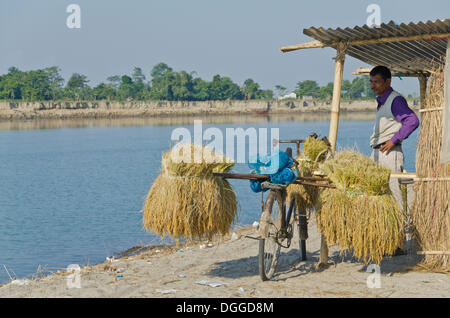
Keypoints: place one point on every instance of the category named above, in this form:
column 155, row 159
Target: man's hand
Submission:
column 388, row 145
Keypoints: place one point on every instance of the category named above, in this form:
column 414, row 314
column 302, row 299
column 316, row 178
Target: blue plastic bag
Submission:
column 285, row 176
column 256, row 186
column 277, row 166
column 270, row 164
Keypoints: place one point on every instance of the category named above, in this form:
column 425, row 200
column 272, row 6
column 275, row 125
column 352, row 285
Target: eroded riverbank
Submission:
column 105, row 109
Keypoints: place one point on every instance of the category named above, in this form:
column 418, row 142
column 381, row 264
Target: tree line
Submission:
column 165, row 84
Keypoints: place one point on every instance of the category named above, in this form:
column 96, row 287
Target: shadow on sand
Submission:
column 289, row 265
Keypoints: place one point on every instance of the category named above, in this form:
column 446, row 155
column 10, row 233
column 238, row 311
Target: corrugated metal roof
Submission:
column 415, row 56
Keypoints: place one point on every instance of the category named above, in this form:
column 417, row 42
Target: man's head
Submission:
column 380, row 80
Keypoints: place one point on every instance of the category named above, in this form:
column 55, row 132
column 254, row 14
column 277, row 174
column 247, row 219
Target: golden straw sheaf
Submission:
column 187, row 201
column 361, row 214
column 314, row 152
column 430, row 212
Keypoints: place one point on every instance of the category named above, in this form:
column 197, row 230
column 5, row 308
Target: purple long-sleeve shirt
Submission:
column 402, row 113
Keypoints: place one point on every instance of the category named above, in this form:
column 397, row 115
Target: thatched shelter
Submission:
column 414, row 50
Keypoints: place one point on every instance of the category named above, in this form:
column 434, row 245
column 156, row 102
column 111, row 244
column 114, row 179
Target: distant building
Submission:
column 291, row 95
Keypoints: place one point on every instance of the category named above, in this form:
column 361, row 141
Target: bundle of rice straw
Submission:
column 361, row 213
column 187, row 200
column 314, row 152
column 430, row 212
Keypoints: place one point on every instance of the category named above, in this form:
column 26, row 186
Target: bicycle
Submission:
column 276, row 228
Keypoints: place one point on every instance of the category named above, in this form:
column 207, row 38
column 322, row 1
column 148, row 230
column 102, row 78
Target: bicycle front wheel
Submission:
column 269, row 249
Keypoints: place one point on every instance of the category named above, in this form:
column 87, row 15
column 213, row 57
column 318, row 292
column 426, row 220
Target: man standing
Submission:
column 395, row 121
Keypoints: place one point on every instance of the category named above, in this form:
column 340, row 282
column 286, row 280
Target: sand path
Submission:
column 172, row 272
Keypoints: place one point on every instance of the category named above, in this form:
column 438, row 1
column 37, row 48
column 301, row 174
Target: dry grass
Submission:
column 314, row 152
column 187, row 201
column 430, row 212
column 353, row 172
column 315, row 149
column 360, row 214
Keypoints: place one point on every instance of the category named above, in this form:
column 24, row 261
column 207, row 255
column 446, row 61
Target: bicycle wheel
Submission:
column 269, row 249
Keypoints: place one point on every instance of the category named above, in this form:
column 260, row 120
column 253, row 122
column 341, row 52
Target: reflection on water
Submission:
column 177, row 120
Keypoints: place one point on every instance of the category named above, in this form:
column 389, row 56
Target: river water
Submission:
column 71, row 191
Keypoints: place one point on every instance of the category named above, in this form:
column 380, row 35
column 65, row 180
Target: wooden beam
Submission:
column 433, row 252
column 314, row 184
column 318, row 44
column 403, row 175
column 366, row 71
column 306, row 45
column 243, row 176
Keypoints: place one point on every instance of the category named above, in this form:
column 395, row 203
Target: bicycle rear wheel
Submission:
column 269, row 249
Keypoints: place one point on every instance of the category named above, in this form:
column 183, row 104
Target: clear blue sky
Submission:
column 235, row 38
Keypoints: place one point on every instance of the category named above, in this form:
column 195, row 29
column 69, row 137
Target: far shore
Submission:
column 11, row 111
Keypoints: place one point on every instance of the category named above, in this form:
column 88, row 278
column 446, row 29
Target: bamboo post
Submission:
column 423, row 89
column 335, row 104
column 334, row 122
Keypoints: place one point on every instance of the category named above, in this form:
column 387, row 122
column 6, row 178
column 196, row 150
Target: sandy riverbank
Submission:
column 105, row 109
column 232, row 263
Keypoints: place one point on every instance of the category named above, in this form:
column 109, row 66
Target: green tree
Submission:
column 160, row 70
column 103, row 91
column 326, row 92
column 165, row 84
column 36, row 86
column 77, row 81
column 367, row 90
column 183, row 86
column 11, row 84
column 138, row 76
column 250, row 89
column 281, row 90
column 202, row 89
column 114, row 81
column 356, row 90
column 56, row 82
column 77, row 87
column 307, row 88
column 345, row 88
column 162, row 83
column 141, row 87
column 127, row 88
column 222, row 88
column 265, row 94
